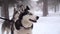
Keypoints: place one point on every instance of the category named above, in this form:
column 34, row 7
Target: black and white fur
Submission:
column 23, row 21
column 24, row 24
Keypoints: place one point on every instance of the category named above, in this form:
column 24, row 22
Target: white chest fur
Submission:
column 23, row 31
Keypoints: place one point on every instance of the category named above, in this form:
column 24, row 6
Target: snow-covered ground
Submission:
column 45, row 25
column 48, row 25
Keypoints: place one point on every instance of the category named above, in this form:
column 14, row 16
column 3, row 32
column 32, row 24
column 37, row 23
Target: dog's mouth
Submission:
column 32, row 20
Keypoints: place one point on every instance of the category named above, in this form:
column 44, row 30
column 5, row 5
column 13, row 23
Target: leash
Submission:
column 12, row 28
column 5, row 19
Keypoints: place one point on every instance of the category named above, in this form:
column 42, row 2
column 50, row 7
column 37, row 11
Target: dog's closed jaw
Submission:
column 32, row 20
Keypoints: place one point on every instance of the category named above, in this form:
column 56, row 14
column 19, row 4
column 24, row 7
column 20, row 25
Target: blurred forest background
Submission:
column 44, row 5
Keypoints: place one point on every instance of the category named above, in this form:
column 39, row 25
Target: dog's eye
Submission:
column 30, row 13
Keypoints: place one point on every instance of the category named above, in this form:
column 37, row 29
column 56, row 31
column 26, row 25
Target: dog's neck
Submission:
column 28, row 27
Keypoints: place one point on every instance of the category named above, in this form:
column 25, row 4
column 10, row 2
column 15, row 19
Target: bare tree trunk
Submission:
column 5, row 12
column 45, row 7
column 56, row 5
column 55, row 8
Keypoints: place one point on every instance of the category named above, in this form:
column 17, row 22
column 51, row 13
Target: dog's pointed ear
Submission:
column 27, row 8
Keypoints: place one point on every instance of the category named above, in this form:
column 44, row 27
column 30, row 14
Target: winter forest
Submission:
column 47, row 10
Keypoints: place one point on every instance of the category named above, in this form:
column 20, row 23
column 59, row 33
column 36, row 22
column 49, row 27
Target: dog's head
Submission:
column 27, row 18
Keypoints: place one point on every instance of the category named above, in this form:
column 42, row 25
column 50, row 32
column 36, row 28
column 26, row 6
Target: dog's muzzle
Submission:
column 34, row 20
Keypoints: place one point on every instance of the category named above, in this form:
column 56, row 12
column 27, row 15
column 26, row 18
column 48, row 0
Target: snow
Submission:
column 45, row 25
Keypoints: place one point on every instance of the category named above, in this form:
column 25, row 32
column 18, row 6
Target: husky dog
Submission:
column 24, row 24
column 23, row 21
column 6, row 26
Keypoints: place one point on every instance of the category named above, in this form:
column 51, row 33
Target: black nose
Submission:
column 37, row 17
